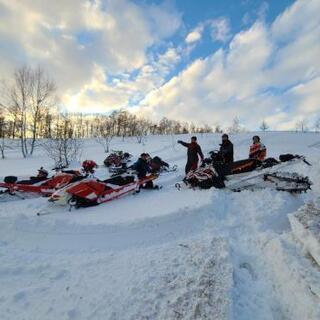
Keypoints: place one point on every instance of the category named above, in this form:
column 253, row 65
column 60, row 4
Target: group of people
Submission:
column 257, row 151
column 146, row 164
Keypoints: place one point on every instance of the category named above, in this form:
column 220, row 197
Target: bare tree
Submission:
column 302, row 125
column 105, row 132
column 317, row 125
column 264, row 126
column 63, row 147
column 3, row 132
column 217, row 128
column 142, row 130
column 27, row 99
column 235, row 127
column 42, row 91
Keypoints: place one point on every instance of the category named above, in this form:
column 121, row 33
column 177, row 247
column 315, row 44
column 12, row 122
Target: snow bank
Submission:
column 164, row 254
column 296, row 281
column 305, row 224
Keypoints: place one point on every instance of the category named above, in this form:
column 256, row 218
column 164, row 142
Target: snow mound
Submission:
column 305, row 224
column 296, row 281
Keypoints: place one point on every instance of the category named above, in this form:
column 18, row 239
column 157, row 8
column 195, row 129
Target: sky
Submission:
column 205, row 61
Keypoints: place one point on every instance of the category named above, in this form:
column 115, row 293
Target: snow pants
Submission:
column 191, row 166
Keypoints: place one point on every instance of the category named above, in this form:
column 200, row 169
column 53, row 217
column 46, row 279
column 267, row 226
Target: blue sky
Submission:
column 202, row 61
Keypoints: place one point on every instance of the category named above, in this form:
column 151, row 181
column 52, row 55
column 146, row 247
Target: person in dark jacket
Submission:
column 226, row 150
column 142, row 167
column 194, row 151
column 156, row 163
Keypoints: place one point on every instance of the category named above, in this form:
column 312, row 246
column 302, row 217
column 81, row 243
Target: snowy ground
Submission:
column 166, row 254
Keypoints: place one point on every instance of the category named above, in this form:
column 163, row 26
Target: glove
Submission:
column 179, row 141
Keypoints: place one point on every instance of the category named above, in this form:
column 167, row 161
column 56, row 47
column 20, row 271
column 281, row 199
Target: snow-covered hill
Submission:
column 166, row 254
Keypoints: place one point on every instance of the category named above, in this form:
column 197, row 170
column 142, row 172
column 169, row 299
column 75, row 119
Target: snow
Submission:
column 305, row 224
column 167, row 254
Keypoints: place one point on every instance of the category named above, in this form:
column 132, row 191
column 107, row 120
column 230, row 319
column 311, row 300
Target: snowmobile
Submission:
column 41, row 185
column 250, row 174
column 44, row 185
column 91, row 192
column 117, row 161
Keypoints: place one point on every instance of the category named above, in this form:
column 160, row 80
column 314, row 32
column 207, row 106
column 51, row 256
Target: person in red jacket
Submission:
column 257, row 149
column 194, row 151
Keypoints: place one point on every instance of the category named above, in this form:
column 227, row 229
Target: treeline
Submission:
column 118, row 124
column 29, row 116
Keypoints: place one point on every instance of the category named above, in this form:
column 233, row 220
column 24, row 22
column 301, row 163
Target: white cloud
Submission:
column 70, row 38
column 220, row 29
column 252, row 79
column 107, row 54
column 195, row 35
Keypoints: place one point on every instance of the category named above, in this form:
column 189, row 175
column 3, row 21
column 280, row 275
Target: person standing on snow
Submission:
column 226, row 150
column 194, row 151
column 257, row 149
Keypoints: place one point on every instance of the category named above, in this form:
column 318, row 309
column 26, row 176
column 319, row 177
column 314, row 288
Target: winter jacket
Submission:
column 142, row 168
column 258, row 151
column 193, row 151
column 226, row 151
column 156, row 163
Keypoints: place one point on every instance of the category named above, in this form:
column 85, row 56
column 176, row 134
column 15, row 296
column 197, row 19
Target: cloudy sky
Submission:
column 206, row 61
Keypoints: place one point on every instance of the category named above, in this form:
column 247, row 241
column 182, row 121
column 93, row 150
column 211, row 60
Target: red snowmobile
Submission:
column 90, row 191
column 42, row 184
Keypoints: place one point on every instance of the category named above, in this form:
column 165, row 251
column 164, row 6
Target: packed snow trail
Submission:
column 209, row 254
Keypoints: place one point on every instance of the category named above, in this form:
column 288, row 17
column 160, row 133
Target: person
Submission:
column 142, row 167
column 41, row 176
column 257, row 149
column 42, row 173
column 194, row 151
column 226, row 150
column 156, row 163
column 88, row 166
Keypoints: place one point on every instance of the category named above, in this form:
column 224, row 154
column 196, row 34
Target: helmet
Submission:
column 43, row 172
column 89, row 165
column 256, row 137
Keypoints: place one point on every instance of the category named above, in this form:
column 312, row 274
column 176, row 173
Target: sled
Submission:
column 91, row 192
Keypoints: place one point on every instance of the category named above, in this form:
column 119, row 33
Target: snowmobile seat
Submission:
column 286, row 157
column 10, row 179
column 269, row 162
column 32, row 180
column 120, row 181
column 71, row 172
column 241, row 166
